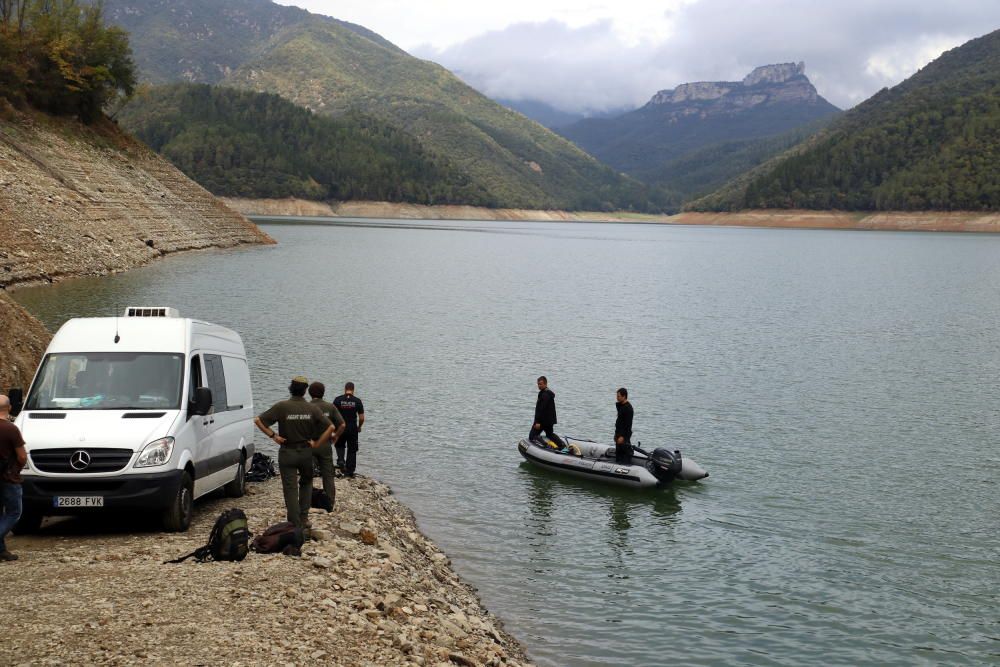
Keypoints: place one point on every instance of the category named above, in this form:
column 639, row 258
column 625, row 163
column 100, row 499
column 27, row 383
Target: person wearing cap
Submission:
column 302, row 427
column 323, row 455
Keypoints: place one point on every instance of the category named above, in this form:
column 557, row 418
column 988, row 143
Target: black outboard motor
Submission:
column 664, row 464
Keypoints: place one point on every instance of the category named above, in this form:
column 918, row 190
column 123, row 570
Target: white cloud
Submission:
column 594, row 54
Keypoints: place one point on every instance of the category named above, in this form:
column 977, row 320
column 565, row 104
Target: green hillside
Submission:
column 703, row 171
column 241, row 143
column 930, row 143
column 203, row 40
column 335, row 68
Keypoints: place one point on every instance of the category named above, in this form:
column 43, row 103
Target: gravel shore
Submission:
column 370, row 589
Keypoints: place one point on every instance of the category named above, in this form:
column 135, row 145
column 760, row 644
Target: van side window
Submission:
column 237, row 383
column 216, row 382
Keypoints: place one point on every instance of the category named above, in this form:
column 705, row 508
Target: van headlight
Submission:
column 155, row 453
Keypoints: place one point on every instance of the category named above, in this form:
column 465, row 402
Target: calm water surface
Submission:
column 841, row 388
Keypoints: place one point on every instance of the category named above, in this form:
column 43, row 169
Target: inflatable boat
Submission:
column 593, row 460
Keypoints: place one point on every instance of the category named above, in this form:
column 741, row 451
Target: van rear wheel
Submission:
column 177, row 517
column 238, row 487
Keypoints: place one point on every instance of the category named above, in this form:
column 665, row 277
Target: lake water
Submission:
column 841, row 388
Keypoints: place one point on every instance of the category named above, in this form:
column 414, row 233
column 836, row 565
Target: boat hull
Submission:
column 597, row 463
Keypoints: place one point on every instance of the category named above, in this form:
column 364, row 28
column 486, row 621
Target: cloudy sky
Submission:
column 592, row 55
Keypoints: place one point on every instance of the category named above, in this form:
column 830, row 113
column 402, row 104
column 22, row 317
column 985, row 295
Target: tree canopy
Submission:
column 58, row 56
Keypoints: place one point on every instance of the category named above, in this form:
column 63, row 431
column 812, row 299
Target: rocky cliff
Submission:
column 766, row 85
column 716, row 126
column 78, row 200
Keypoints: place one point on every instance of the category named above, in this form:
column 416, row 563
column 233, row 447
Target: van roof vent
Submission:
column 154, row 311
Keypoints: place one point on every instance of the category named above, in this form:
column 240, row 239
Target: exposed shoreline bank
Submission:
column 77, row 201
column 926, row 221
column 94, row 596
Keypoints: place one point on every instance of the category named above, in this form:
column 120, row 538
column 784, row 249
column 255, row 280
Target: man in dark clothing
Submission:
column 623, row 427
column 353, row 411
column 323, row 455
column 545, row 414
column 301, row 427
column 13, row 456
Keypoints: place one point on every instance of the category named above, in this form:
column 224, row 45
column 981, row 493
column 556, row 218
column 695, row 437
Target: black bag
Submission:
column 278, row 538
column 261, row 468
column 227, row 541
column 322, row 500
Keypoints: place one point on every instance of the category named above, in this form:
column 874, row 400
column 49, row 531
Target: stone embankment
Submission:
column 78, row 201
column 928, row 221
column 376, row 209
column 917, row 221
column 370, row 590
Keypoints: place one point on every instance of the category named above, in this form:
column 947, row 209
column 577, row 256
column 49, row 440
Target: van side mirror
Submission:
column 202, row 403
column 16, row 396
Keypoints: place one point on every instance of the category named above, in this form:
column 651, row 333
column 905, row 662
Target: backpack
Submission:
column 278, row 538
column 322, row 500
column 261, row 468
column 227, row 541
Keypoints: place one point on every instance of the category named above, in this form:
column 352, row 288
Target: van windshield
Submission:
column 108, row 381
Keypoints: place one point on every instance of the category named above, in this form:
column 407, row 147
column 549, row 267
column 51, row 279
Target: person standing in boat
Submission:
column 545, row 414
column 623, row 427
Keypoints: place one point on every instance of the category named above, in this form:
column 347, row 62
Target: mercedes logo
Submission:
column 79, row 460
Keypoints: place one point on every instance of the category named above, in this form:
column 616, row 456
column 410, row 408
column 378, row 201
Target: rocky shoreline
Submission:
column 925, row 221
column 80, row 200
column 369, row 590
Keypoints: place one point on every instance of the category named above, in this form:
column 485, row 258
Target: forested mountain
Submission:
column 335, row 69
column 241, row 143
column 929, row 143
column 706, row 124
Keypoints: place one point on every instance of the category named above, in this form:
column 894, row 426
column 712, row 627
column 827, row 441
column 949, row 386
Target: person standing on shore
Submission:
column 323, row 455
column 623, row 427
column 301, row 427
column 353, row 411
column 545, row 414
column 13, row 456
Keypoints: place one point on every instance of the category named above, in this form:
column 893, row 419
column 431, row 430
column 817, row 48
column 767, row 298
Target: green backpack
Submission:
column 229, row 539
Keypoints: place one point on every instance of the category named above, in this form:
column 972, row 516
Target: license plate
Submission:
column 78, row 501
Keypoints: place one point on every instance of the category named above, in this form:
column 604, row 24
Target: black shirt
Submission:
column 545, row 408
column 350, row 407
column 623, row 425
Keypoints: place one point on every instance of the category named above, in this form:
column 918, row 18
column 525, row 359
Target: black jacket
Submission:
column 623, row 425
column 545, row 408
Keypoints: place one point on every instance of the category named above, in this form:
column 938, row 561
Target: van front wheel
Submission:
column 177, row 517
column 238, row 487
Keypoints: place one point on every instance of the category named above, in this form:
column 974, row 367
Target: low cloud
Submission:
column 851, row 49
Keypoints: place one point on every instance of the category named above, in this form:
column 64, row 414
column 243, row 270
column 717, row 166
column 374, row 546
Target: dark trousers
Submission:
column 10, row 509
column 547, row 429
column 347, row 452
column 323, row 456
column 296, row 469
column 623, row 451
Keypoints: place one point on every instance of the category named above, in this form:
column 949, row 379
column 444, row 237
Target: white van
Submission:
column 142, row 412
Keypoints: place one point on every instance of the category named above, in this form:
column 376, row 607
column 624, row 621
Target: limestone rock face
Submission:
column 766, row 85
column 774, row 73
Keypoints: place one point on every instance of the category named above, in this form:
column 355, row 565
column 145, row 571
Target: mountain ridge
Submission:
column 928, row 143
column 332, row 69
column 674, row 123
